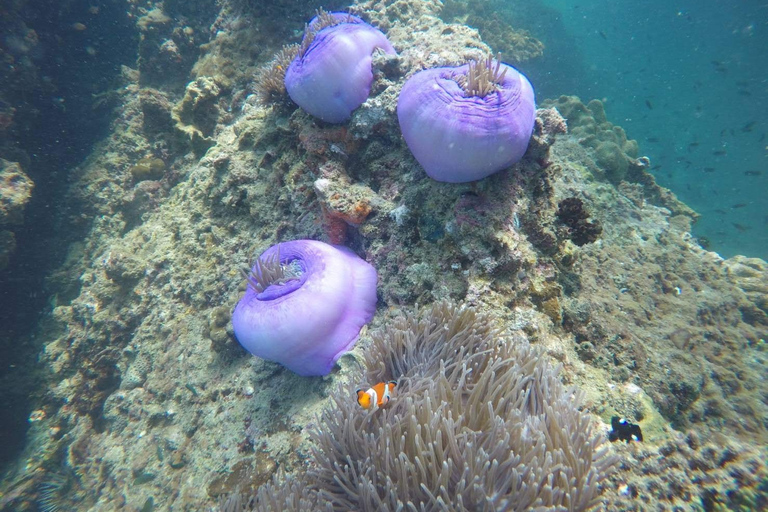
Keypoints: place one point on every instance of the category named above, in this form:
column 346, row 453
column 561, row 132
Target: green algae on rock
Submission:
column 148, row 169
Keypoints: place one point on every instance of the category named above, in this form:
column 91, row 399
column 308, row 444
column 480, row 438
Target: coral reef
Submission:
column 146, row 395
column 613, row 151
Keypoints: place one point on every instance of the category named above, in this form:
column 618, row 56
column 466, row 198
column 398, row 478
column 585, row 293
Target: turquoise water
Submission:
column 688, row 80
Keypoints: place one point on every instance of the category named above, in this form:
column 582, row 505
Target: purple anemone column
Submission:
column 332, row 76
column 306, row 323
column 459, row 137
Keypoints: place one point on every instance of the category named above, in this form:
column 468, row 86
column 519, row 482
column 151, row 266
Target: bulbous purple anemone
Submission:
column 331, row 76
column 313, row 314
column 458, row 136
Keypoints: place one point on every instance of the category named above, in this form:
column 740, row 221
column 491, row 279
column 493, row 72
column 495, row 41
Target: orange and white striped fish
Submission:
column 378, row 395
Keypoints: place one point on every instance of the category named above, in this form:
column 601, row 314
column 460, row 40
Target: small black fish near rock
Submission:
column 624, row 430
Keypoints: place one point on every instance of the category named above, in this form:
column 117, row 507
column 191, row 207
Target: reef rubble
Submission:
column 150, row 399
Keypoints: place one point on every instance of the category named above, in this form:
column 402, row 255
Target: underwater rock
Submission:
column 305, row 304
column 343, row 203
column 167, row 49
column 751, row 275
column 465, row 123
column 331, row 74
column 15, row 192
column 148, row 169
column 157, row 112
column 197, row 113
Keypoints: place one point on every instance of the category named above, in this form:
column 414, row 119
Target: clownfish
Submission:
column 378, row 395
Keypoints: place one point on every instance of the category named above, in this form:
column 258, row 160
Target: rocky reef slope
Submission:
column 575, row 250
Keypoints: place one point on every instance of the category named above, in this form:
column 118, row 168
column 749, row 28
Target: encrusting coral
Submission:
column 478, row 422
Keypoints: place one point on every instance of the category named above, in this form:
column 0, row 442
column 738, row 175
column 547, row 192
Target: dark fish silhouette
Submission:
column 709, row 169
column 649, row 104
column 602, row 34
column 752, row 173
column 748, row 127
column 740, row 227
column 738, row 205
column 719, row 152
column 624, row 430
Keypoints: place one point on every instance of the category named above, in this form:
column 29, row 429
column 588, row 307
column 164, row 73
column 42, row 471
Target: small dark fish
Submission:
column 732, row 132
column 692, row 146
column 716, row 63
column 744, row 93
column 602, row 34
column 719, row 152
column 723, row 132
column 738, row 205
column 721, row 212
column 709, row 169
column 655, row 167
column 740, row 227
column 649, row 104
column 748, row 127
column 752, row 173
column 652, row 139
column 762, row 138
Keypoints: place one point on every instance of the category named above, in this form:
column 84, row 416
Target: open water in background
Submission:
column 689, row 80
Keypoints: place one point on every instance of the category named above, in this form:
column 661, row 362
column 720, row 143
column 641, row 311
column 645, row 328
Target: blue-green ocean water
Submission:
column 689, row 81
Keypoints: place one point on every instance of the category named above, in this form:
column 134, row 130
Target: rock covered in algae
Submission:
column 15, row 192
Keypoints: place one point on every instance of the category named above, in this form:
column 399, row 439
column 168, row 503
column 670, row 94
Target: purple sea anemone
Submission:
column 305, row 304
column 331, row 74
column 468, row 122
